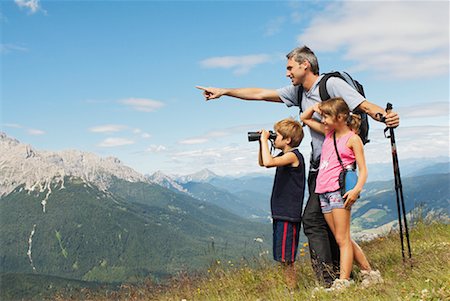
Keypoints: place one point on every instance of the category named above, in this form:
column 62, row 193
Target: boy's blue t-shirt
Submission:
column 288, row 191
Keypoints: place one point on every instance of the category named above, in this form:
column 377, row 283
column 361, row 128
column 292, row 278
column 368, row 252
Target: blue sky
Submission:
column 117, row 78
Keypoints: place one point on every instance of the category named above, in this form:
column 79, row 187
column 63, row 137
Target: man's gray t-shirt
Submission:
column 336, row 87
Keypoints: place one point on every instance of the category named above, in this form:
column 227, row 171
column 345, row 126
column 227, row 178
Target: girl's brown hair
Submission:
column 336, row 107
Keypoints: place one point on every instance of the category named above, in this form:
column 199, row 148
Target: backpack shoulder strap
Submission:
column 300, row 97
column 324, row 95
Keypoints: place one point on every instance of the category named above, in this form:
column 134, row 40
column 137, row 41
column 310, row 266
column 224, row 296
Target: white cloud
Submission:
column 141, row 133
column 35, row 132
column 142, row 104
column 225, row 160
column 434, row 109
column 113, row 142
column 400, row 39
column 213, row 135
column 107, row 128
column 7, row 48
column 33, row 6
column 239, row 64
column 29, row 131
column 12, row 125
column 156, row 148
column 194, row 141
column 411, row 142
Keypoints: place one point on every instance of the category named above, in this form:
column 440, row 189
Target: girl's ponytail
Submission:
column 353, row 122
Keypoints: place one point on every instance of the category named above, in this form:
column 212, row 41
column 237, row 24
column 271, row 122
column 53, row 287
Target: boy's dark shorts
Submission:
column 285, row 240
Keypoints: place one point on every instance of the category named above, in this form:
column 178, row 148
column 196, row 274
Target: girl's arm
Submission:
column 307, row 118
column 356, row 145
column 269, row 161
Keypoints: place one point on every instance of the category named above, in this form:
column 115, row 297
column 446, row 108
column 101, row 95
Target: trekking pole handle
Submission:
column 383, row 119
column 388, row 107
column 380, row 115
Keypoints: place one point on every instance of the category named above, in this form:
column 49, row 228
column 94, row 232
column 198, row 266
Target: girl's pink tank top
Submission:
column 329, row 169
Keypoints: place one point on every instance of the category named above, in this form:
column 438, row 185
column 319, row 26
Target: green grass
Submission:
column 426, row 277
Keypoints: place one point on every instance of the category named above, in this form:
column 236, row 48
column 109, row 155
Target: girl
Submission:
column 340, row 125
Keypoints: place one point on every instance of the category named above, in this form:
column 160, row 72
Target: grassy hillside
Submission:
column 427, row 279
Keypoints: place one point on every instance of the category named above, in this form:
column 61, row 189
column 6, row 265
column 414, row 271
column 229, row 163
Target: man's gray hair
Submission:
column 301, row 54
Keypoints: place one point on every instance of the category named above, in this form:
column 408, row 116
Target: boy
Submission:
column 287, row 193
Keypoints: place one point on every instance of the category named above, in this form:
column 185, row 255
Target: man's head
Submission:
column 305, row 57
column 289, row 129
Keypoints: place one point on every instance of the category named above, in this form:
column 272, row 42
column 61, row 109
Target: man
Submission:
column 303, row 70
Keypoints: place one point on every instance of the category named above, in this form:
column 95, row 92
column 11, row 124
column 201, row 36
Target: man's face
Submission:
column 295, row 71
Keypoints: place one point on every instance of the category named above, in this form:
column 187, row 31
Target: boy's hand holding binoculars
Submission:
column 264, row 135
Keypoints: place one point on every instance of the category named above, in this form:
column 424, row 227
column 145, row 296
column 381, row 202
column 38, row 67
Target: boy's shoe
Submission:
column 340, row 284
column 370, row 278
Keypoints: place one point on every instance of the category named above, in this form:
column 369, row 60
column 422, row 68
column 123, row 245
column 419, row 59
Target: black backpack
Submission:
column 364, row 127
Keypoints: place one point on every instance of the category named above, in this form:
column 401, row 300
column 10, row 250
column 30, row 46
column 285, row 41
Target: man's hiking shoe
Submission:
column 370, row 278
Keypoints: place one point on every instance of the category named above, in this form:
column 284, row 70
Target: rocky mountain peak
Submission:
column 203, row 175
column 167, row 181
column 22, row 164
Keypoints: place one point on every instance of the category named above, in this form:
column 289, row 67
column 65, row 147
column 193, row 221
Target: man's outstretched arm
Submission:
column 242, row 93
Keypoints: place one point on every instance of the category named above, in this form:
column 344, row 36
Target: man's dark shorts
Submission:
column 285, row 240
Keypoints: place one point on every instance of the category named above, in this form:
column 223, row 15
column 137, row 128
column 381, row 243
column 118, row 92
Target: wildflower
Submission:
column 305, row 244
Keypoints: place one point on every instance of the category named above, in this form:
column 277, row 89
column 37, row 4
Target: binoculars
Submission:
column 254, row 136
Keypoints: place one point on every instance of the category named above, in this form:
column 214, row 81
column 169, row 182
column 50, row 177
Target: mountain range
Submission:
column 76, row 215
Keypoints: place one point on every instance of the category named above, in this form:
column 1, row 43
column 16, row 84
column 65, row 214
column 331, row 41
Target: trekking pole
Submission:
column 398, row 189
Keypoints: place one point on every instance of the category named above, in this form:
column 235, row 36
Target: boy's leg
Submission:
column 290, row 275
column 285, row 245
column 322, row 245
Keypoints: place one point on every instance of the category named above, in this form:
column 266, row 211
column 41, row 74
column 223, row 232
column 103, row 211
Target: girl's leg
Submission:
column 358, row 254
column 341, row 219
column 359, row 257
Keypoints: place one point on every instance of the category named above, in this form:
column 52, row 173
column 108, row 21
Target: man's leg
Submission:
column 322, row 245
